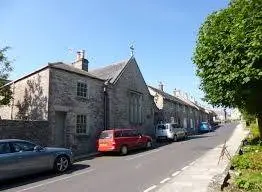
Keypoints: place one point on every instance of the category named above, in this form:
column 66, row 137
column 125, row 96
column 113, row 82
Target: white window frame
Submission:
column 81, row 89
column 81, row 124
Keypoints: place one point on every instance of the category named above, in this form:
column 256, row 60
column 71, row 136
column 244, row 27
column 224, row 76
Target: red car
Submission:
column 123, row 140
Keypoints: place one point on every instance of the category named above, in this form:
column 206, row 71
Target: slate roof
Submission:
column 70, row 68
column 188, row 102
column 167, row 95
column 110, row 72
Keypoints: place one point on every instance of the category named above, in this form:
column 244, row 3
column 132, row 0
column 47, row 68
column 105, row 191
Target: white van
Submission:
column 170, row 131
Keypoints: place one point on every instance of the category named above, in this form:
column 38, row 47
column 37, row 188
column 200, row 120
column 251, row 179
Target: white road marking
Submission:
column 141, row 155
column 57, row 180
column 192, row 163
column 150, row 188
column 176, row 173
column 184, row 168
column 164, row 180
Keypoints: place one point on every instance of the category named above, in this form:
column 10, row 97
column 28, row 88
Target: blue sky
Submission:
column 163, row 33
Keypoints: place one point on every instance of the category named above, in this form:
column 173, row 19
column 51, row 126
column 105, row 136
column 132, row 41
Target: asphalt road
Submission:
column 135, row 172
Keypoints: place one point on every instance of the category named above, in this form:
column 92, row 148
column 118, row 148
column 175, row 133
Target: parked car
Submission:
column 170, row 131
column 20, row 158
column 123, row 140
column 205, row 127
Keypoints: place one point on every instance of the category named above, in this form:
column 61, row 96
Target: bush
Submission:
column 252, row 160
column 254, row 130
column 250, row 180
column 252, row 148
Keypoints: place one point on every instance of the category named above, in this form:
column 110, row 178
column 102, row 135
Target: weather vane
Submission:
column 132, row 50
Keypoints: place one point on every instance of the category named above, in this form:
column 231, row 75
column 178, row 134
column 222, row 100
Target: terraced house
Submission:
column 79, row 103
column 178, row 108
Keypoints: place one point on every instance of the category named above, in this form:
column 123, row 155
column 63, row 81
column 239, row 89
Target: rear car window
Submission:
column 106, row 135
column 5, row 148
column 160, row 127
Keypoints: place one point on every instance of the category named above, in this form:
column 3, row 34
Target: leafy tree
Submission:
column 228, row 56
column 5, row 69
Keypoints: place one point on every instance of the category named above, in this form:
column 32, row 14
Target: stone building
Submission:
column 79, row 103
column 177, row 108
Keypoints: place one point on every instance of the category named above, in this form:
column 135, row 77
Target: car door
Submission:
column 29, row 160
column 139, row 139
column 8, row 163
column 128, row 139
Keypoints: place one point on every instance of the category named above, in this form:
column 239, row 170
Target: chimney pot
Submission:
column 81, row 62
column 161, row 86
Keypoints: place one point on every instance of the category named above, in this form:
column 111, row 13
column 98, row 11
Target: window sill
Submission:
column 81, row 98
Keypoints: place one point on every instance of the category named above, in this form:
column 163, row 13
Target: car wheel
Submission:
column 175, row 138
column 124, row 150
column 148, row 144
column 61, row 164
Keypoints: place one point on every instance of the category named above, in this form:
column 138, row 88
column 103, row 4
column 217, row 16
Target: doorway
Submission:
column 60, row 128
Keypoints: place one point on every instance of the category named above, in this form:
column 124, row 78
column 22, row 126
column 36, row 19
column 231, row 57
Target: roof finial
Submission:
column 132, row 50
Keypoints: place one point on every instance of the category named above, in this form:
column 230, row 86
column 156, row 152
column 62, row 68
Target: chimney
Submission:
column 161, row 86
column 176, row 92
column 81, row 62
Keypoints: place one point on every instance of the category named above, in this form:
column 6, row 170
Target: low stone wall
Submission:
column 35, row 131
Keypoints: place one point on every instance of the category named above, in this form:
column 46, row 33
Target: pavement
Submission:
column 197, row 176
column 139, row 171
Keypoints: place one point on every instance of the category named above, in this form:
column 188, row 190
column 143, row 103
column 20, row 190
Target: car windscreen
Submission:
column 106, row 135
column 161, row 127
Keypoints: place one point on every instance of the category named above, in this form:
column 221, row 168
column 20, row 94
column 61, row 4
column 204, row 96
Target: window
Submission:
column 191, row 123
column 118, row 134
column 135, row 108
column 172, row 120
column 81, row 125
column 161, row 127
column 81, row 89
column 23, row 146
column 175, row 126
column 5, row 148
column 190, row 109
column 184, row 108
column 127, row 133
column 106, row 135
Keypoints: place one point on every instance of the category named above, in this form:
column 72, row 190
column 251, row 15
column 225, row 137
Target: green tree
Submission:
column 5, row 69
column 228, row 56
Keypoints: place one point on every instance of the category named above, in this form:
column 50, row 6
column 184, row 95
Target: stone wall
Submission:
column 30, row 98
column 35, row 131
column 63, row 98
column 119, row 97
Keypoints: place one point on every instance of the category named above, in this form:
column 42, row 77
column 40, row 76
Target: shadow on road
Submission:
column 12, row 183
column 198, row 136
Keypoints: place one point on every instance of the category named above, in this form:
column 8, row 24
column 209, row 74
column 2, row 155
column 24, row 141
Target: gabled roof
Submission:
column 70, row 68
column 110, row 72
column 188, row 102
column 167, row 95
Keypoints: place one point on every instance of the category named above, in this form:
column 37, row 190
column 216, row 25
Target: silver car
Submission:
column 19, row 158
column 170, row 131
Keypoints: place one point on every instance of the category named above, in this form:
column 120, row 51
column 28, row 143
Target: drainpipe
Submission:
column 105, row 105
column 12, row 105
